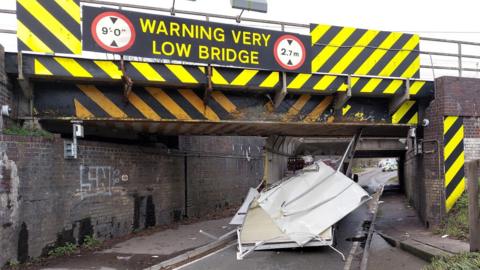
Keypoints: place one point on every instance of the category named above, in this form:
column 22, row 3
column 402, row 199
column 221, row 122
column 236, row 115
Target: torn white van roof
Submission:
column 309, row 203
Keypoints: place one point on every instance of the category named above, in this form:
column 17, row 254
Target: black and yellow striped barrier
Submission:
column 361, row 86
column 170, row 74
column 406, row 114
column 155, row 103
column 361, row 109
column 306, row 108
column 454, row 158
column 245, row 78
column 421, row 89
column 380, row 87
column 167, row 103
column 231, row 78
column 49, row 26
column 347, row 50
column 317, row 83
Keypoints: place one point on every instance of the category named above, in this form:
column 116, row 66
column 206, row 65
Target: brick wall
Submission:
column 238, row 164
column 111, row 189
column 4, row 94
column 460, row 96
column 472, row 137
column 414, row 189
column 425, row 173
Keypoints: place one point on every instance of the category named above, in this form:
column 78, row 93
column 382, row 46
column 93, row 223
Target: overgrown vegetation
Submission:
column 456, row 223
column 13, row 264
column 464, row 261
column 19, row 131
column 67, row 249
column 91, row 242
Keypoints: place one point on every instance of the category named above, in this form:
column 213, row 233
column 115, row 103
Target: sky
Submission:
column 446, row 19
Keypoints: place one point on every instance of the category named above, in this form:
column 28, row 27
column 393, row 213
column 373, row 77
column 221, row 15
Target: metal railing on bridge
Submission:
column 460, row 57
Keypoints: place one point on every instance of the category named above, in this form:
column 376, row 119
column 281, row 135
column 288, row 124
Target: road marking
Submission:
column 348, row 262
column 206, row 256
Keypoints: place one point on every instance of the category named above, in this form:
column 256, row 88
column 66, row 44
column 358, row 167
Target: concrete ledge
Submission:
column 392, row 241
column 371, row 229
column 418, row 249
column 196, row 253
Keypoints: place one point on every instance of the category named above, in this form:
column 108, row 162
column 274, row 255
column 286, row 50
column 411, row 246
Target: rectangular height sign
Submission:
column 166, row 37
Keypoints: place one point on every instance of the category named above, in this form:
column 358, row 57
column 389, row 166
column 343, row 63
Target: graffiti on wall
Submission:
column 99, row 180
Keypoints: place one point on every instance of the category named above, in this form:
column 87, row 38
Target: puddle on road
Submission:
column 362, row 238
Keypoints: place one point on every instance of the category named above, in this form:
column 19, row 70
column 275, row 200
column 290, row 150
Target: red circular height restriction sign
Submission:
column 289, row 52
column 113, row 31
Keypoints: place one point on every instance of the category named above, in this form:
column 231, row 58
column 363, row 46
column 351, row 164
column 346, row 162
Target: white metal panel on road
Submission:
column 311, row 202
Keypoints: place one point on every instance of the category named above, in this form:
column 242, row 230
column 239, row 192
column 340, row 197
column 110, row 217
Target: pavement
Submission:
column 399, row 224
column 382, row 254
column 185, row 237
column 142, row 251
column 400, row 239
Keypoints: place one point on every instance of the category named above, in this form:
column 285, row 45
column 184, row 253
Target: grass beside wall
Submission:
column 19, row 131
column 456, row 223
column 462, row 261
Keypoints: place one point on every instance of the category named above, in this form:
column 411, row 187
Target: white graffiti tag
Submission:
column 98, row 180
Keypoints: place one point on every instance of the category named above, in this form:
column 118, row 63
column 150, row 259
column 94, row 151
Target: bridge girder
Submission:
column 239, row 101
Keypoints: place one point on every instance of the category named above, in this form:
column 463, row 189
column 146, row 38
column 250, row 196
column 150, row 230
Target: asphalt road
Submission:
column 374, row 177
column 301, row 258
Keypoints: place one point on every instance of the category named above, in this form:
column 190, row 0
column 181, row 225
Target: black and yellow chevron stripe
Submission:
column 49, row 26
column 376, row 86
column 347, row 50
column 155, row 103
column 454, row 157
column 170, row 74
column 406, row 114
column 306, row 108
column 152, row 103
column 222, row 78
column 110, row 70
column 364, row 109
column 71, row 68
column 385, row 87
column 421, row 89
column 186, row 104
column 317, row 83
column 329, row 84
column 247, row 78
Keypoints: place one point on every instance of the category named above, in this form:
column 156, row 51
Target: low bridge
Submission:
column 351, row 81
column 177, row 99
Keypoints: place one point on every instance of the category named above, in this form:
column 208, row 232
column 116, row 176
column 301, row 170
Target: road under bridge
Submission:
column 348, row 82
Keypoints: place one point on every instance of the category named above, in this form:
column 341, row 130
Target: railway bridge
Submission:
column 336, row 82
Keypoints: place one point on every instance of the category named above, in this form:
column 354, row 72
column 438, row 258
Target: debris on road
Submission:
column 300, row 211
